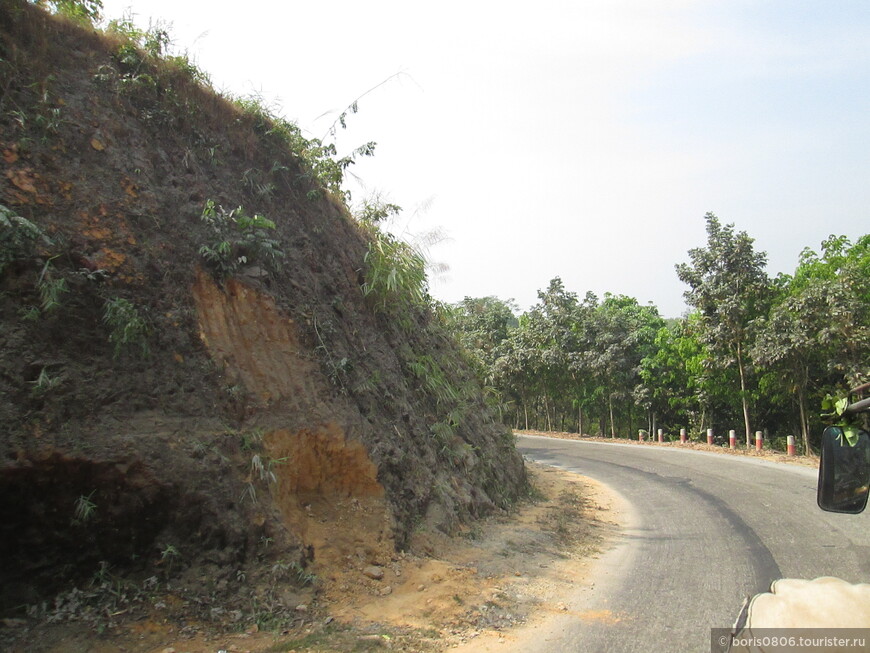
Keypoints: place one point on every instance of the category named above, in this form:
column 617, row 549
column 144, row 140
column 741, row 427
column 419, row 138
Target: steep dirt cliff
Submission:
column 168, row 418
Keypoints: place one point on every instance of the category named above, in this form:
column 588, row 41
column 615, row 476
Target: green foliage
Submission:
column 481, row 326
column 43, row 118
column 320, row 160
column 250, row 440
column 240, row 240
column 395, row 273
column 138, row 43
column 82, row 10
column 375, row 210
column 264, row 468
column 143, row 59
column 777, row 347
column 18, row 238
column 85, row 509
column 127, row 328
column 44, row 383
column 817, row 333
column 50, row 289
column 730, row 289
column 434, row 379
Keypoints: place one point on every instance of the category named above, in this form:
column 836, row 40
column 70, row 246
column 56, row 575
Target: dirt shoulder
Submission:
column 469, row 591
column 741, row 450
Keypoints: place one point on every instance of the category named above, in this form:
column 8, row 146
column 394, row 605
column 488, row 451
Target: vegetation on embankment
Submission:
column 200, row 341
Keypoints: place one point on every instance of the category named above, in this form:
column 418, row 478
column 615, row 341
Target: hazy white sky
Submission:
column 584, row 139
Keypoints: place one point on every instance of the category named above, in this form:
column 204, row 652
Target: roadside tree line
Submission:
column 752, row 353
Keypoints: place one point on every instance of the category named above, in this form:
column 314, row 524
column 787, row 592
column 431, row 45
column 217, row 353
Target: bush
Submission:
column 240, row 240
column 18, row 238
column 395, row 273
column 127, row 328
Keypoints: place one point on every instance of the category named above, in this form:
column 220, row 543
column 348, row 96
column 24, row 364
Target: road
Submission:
column 703, row 531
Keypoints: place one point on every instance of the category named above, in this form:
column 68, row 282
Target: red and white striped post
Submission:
column 640, row 435
column 759, row 441
column 732, row 439
column 661, row 436
column 710, row 436
column 790, row 441
column 683, row 436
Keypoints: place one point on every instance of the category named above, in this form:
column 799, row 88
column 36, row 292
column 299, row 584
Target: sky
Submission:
column 584, row 139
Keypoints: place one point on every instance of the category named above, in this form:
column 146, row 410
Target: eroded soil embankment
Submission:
column 489, row 589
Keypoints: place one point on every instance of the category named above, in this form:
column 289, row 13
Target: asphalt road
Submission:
column 703, row 531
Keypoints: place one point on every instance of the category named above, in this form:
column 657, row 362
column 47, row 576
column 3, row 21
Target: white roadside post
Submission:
column 759, row 441
column 790, row 441
column 661, row 436
column 683, row 436
column 710, row 436
column 732, row 439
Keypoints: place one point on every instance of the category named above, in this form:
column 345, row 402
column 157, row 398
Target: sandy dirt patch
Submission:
column 471, row 591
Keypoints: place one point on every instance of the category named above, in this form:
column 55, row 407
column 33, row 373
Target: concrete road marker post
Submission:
column 759, row 441
column 661, row 436
column 710, row 436
column 790, row 441
column 683, row 436
column 732, row 439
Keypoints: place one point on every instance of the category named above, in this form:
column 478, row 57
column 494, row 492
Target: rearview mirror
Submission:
column 844, row 471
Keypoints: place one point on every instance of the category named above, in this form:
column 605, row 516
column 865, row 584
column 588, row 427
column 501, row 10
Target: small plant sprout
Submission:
column 264, row 469
column 44, row 382
column 169, row 555
column 50, row 290
column 250, row 492
column 85, row 508
column 169, row 552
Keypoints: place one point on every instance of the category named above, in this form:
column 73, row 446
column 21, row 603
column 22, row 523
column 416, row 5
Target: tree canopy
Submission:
column 751, row 350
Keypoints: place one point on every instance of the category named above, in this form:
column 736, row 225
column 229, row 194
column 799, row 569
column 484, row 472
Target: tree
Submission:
column 624, row 334
column 482, row 324
column 671, row 374
column 730, row 288
column 819, row 328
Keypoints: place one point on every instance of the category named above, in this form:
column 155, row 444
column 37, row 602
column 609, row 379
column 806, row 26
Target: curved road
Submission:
column 703, row 531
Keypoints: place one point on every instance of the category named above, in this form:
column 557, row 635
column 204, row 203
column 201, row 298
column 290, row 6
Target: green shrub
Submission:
column 395, row 272
column 50, row 289
column 240, row 240
column 18, row 238
column 127, row 328
column 87, row 11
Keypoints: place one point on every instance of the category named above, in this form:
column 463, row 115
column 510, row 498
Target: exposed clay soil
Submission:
column 474, row 589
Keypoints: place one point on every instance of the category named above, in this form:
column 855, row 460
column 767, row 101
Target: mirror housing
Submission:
column 844, row 472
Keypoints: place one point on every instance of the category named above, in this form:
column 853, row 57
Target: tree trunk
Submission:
column 610, row 408
column 547, row 412
column 805, row 431
column 743, row 395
